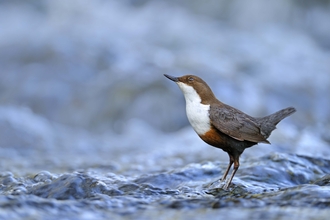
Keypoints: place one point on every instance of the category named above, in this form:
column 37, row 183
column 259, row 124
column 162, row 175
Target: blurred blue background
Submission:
column 88, row 75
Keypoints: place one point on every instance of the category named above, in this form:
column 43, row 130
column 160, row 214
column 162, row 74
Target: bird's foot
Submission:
column 226, row 186
column 218, row 184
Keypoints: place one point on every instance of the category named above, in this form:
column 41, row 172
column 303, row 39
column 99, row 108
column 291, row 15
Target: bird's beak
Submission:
column 174, row 79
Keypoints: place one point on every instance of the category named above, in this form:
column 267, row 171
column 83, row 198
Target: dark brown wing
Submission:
column 235, row 123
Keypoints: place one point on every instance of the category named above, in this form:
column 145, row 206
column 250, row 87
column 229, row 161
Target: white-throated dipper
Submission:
column 223, row 126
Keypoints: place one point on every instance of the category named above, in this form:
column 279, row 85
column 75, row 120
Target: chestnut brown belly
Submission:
column 220, row 140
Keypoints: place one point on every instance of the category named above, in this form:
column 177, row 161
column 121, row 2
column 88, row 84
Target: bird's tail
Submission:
column 268, row 123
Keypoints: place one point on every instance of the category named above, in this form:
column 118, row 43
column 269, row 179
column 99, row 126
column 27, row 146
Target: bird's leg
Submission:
column 231, row 161
column 236, row 165
column 223, row 178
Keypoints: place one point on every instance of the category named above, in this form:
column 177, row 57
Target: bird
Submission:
column 223, row 126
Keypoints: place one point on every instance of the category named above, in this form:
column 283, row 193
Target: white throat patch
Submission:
column 197, row 113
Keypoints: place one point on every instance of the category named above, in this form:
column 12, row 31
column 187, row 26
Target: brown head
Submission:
column 191, row 85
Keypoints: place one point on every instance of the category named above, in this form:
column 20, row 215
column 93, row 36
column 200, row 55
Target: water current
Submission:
column 91, row 129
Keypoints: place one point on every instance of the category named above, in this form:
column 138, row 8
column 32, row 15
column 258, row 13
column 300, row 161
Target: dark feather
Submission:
column 235, row 123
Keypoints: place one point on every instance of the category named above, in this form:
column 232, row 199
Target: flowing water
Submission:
column 272, row 187
column 91, row 129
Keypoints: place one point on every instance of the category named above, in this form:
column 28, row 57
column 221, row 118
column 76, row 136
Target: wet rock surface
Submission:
column 269, row 185
column 91, row 129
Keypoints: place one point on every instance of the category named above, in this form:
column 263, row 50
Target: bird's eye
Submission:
column 190, row 79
